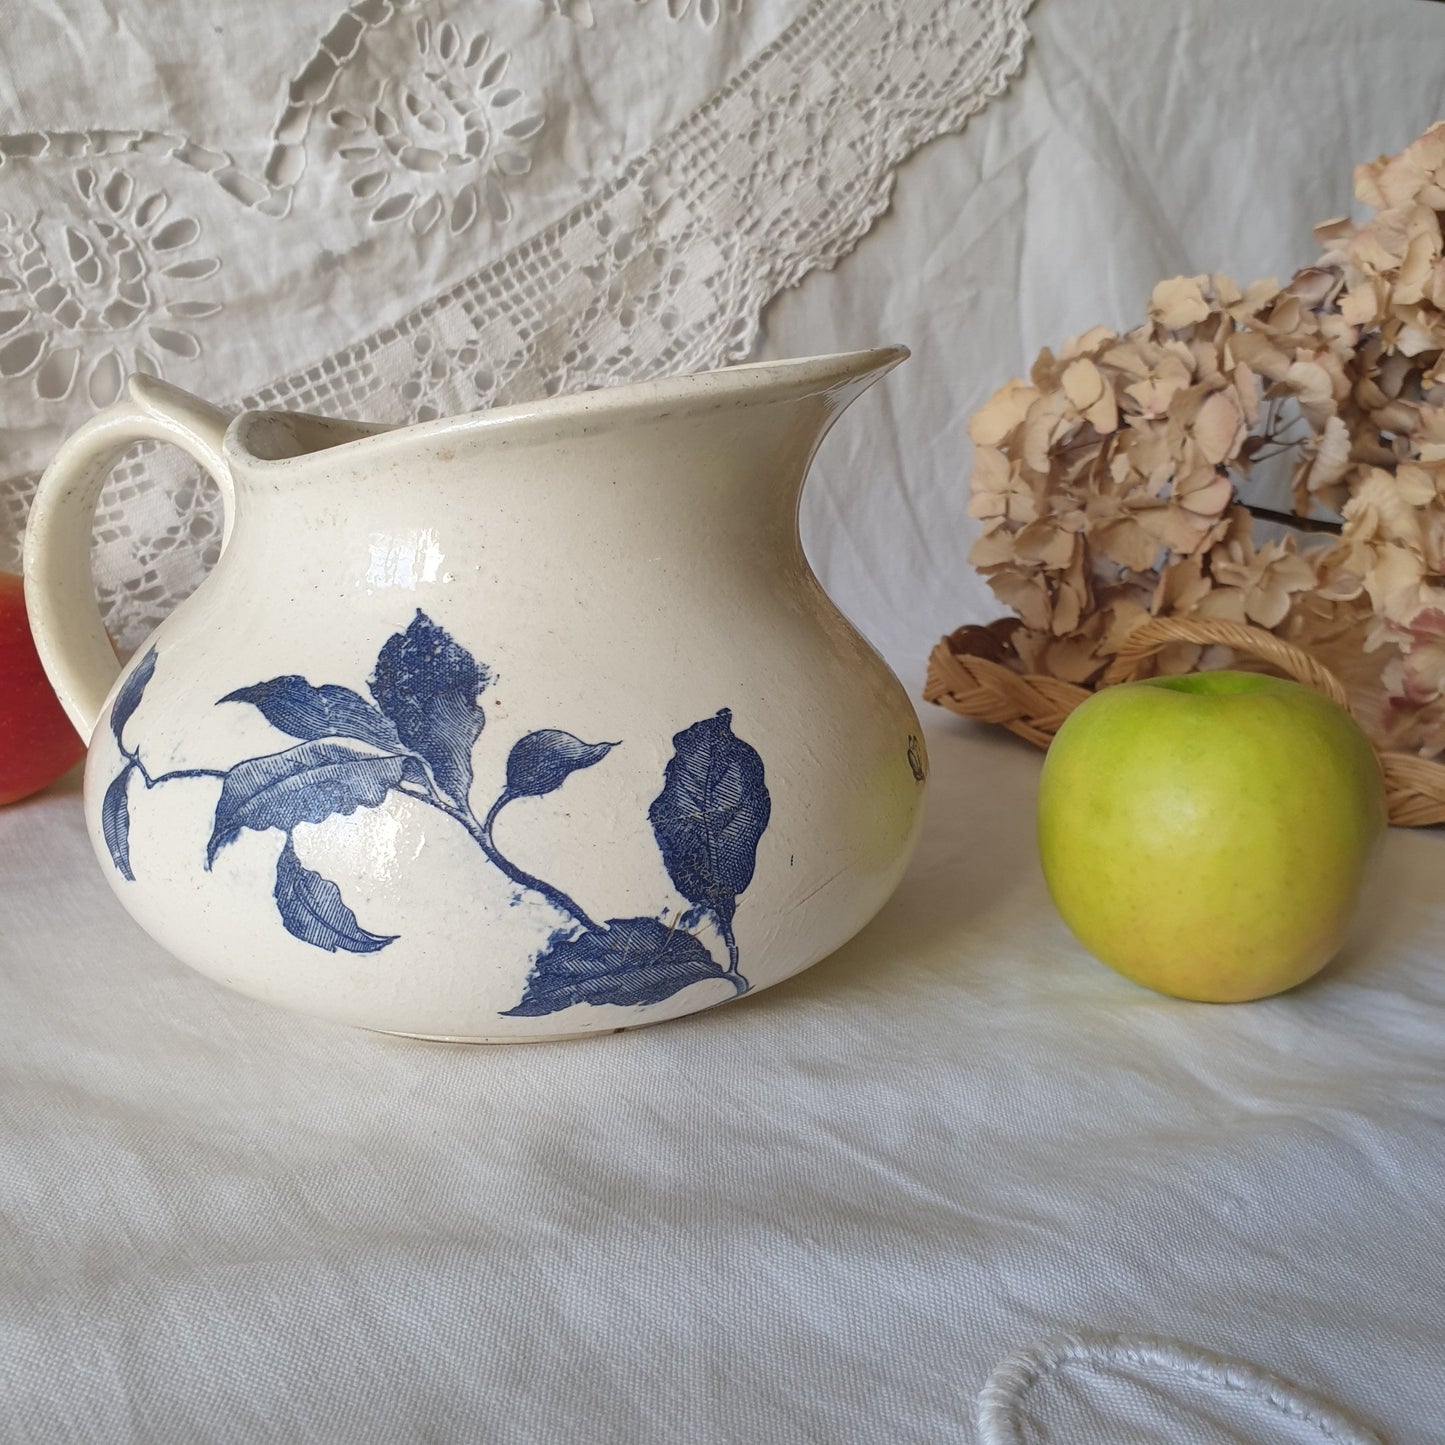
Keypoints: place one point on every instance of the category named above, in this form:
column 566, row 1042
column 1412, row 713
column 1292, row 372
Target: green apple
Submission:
column 1208, row 835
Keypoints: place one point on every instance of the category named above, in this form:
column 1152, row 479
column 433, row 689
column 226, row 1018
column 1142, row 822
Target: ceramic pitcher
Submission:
column 531, row 723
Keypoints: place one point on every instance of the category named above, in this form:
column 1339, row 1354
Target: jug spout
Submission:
column 828, row 384
column 790, row 406
column 841, row 379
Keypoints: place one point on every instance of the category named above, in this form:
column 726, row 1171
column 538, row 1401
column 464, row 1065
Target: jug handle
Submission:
column 59, row 590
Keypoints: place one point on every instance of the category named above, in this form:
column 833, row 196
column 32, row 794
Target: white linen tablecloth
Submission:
column 824, row 1213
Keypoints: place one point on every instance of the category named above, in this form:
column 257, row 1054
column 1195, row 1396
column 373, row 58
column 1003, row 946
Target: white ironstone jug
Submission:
column 532, row 723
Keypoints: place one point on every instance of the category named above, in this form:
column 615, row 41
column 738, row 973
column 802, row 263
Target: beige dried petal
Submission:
column 993, row 548
column 1225, row 604
column 1207, row 498
column 1285, row 317
column 1157, row 391
column 1394, row 180
column 1422, row 676
column 1001, row 414
column 1027, row 594
column 1046, row 545
column 1129, row 356
column 1176, row 528
column 1394, row 374
column 1075, row 465
column 1432, row 423
column 1089, row 342
column 1394, row 578
column 1068, row 609
column 1415, row 485
column 1364, row 303
column 1291, row 569
column 1378, row 507
column 1258, row 352
column 1395, row 416
column 991, row 470
column 1074, row 659
column 1219, row 427
column 1328, row 456
column 1047, row 420
column 1247, row 392
column 1266, row 605
column 1380, row 246
column 1413, row 339
column 1313, row 285
column 1083, row 384
column 1121, row 618
column 998, row 490
column 1309, row 381
column 1103, row 416
column 1420, row 257
column 1205, row 358
column 1124, row 541
column 1434, row 289
column 1341, row 340
column 1044, row 373
column 1257, row 296
column 1179, row 302
column 1335, row 231
column 1224, row 290
column 1181, row 587
column 1151, row 454
column 1340, row 586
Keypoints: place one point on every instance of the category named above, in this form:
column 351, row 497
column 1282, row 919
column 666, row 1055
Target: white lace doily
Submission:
column 446, row 206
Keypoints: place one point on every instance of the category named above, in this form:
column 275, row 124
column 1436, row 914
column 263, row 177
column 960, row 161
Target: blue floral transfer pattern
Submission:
column 414, row 736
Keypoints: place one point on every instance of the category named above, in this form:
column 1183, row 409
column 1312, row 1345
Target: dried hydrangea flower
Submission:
column 1107, row 484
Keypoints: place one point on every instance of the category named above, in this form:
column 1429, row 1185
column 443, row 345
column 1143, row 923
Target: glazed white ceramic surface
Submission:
column 689, row 776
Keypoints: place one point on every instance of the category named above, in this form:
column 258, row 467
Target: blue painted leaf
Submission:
column 115, row 822
column 305, row 784
column 312, row 909
column 542, row 761
column 713, row 809
column 631, row 961
column 428, row 685
column 296, row 707
column 127, row 699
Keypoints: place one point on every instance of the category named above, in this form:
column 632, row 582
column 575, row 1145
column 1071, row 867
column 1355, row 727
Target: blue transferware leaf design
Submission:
column 628, row 961
column 127, row 699
column 713, row 810
column 115, row 821
column 429, row 685
column 295, row 706
column 312, row 909
column 418, row 737
column 305, row 784
column 542, row 761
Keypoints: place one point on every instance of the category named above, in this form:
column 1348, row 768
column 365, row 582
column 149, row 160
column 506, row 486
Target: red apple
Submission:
column 37, row 742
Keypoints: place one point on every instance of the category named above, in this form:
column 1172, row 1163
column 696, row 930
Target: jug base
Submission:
column 510, row 1039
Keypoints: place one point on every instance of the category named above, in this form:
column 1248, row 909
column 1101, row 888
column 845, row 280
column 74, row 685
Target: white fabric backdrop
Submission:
column 821, row 1215
column 449, row 205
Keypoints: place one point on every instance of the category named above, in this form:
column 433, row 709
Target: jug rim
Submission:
column 557, row 417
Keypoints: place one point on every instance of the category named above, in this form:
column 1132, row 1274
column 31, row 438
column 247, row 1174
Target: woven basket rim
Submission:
column 967, row 675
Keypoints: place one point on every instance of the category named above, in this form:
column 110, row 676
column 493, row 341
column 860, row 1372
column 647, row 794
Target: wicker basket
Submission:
column 966, row 677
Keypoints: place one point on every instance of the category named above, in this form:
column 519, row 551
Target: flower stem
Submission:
column 725, row 932
column 481, row 834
